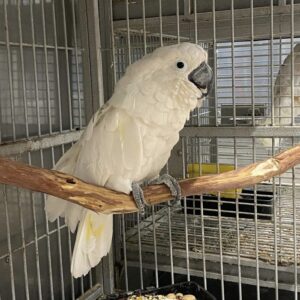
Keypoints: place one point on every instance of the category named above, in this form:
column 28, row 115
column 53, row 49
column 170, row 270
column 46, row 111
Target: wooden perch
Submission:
column 103, row 200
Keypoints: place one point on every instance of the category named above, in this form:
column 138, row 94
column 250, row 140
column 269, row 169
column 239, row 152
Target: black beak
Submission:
column 202, row 78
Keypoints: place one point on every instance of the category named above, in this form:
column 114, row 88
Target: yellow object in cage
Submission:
column 194, row 170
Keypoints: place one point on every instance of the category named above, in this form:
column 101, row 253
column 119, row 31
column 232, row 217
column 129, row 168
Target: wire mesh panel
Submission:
column 42, row 96
column 39, row 57
column 240, row 243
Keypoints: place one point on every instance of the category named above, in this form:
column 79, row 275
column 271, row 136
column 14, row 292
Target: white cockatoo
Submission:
column 129, row 139
column 283, row 95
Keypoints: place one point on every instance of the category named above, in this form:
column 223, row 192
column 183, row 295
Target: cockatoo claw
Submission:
column 171, row 183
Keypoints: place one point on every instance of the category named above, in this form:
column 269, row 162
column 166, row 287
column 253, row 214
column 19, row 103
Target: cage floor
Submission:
column 256, row 237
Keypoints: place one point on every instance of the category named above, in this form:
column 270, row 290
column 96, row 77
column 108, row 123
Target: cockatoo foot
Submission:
column 167, row 179
column 138, row 197
column 171, row 183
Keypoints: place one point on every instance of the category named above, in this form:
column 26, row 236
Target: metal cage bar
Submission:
column 248, row 46
column 46, row 67
column 36, row 117
column 48, row 241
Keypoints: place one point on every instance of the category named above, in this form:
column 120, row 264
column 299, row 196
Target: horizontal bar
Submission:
column 92, row 294
column 242, row 132
column 220, row 15
column 214, row 275
column 149, row 34
column 16, row 44
column 281, row 14
column 42, row 142
column 179, row 254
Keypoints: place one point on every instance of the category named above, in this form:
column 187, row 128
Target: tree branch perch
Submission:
column 104, row 200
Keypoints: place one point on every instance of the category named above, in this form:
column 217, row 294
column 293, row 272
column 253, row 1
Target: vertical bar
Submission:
column 46, row 67
column 187, row 8
column 273, row 152
column 292, row 64
column 113, row 41
column 280, row 177
column 202, row 219
column 138, row 214
column 90, row 278
column 57, row 67
column 255, row 225
column 35, row 69
column 38, row 271
column 215, row 63
column 252, row 63
column 121, row 61
column 233, row 62
column 271, row 64
column 23, row 69
column 59, row 244
column 117, row 63
column 196, row 42
column 76, row 63
column 67, row 63
column 124, row 62
column 170, row 235
column 155, row 247
column 220, row 226
column 69, row 247
column 23, row 246
column 293, row 169
column 140, row 251
column 192, row 160
column 160, row 24
column 237, row 207
column 184, row 152
column 125, row 253
column 128, row 33
column 70, row 255
column 275, row 229
column 141, row 51
column 295, row 229
column 11, row 268
column 196, row 21
column 178, row 21
column 10, row 81
column 89, row 25
column 280, row 63
column 82, row 285
column 48, row 238
column 170, row 242
column 144, row 27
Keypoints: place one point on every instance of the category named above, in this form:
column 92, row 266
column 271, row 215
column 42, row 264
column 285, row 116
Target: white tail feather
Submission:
column 54, row 207
column 94, row 234
column 93, row 242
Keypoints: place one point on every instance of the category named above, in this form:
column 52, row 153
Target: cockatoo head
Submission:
column 173, row 75
column 185, row 63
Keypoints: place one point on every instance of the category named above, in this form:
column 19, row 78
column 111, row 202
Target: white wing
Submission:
column 109, row 153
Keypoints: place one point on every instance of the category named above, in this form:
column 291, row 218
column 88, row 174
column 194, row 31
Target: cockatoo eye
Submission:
column 180, row 65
